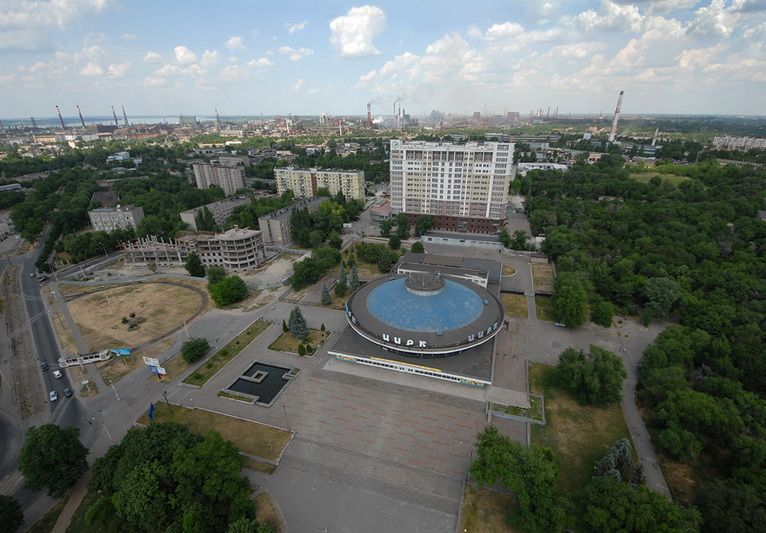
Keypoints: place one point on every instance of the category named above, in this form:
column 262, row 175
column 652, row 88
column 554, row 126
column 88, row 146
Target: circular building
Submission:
column 424, row 314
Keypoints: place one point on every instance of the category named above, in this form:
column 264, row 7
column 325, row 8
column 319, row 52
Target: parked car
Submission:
column 68, row 392
column 53, row 396
column 560, row 324
column 57, row 374
column 44, row 366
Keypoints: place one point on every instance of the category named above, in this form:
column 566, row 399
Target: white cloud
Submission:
column 168, row 69
column 713, row 20
column 128, row 36
column 296, row 54
column 296, row 27
column 153, row 81
column 92, row 69
column 352, row 33
column 612, row 16
column 25, row 24
column 235, row 43
column 260, row 62
column 504, row 30
column 117, row 70
column 233, row 72
column 184, row 56
column 152, row 57
column 209, row 58
column 297, row 85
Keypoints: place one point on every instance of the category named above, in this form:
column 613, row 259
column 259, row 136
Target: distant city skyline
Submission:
column 167, row 58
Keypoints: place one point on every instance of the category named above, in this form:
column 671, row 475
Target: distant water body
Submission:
column 74, row 122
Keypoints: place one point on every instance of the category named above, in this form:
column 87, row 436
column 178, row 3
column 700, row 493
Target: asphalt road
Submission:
column 65, row 411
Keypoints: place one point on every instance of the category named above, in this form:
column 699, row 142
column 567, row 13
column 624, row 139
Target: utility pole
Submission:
column 165, row 394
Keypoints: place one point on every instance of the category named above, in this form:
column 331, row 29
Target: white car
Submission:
column 57, row 374
column 53, row 396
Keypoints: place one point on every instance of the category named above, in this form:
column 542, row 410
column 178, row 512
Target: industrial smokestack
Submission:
column 125, row 116
column 369, row 115
column 218, row 120
column 80, row 113
column 115, row 118
column 616, row 119
column 34, row 122
column 61, row 119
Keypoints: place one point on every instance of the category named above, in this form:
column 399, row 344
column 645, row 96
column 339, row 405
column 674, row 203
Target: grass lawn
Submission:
column 227, row 353
column 542, row 276
column 579, row 435
column 78, row 523
column 508, row 270
column 534, row 412
column 46, row 523
column 644, row 177
column 266, row 511
column 486, row 511
column 159, row 308
column 544, row 305
column 514, row 305
column 249, row 437
column 288, row 343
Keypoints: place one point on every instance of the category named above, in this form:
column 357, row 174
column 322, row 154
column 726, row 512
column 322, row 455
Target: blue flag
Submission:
column 151, row 411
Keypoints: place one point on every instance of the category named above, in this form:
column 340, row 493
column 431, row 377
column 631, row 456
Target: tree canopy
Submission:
column 11, row 514
column 594, row 377
column 53, row 458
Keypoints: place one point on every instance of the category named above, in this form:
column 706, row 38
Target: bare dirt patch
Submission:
column 158, row 308
column 509, row 270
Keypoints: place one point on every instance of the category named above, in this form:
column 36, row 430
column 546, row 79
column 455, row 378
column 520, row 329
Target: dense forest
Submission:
column 694, row 254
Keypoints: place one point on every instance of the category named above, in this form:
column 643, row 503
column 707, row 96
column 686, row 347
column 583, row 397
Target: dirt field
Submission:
column 159, row 308
column 542, row 274
column 515, row 305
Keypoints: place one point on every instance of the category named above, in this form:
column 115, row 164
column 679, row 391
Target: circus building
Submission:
column 433, row 316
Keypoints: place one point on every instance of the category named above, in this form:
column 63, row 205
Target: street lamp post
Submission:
column 165, row 394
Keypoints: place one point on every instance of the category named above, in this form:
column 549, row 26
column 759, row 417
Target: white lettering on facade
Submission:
column 397, row 340
column 410, row 342
column 422, row 344
column 386, row 337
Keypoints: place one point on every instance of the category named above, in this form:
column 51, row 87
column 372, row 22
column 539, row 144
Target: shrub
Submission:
column 594, row 377
column 194, row 349
column 301, row 350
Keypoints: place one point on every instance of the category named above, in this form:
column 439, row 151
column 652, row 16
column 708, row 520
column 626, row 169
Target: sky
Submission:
column 170, row 57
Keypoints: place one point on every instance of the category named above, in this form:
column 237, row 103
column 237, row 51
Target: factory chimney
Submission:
column 61, row 119
column 81, row 119
column 369, row 115
column 616, row 119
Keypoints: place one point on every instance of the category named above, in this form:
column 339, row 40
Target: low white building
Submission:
column 523, row 168
column 119, row 217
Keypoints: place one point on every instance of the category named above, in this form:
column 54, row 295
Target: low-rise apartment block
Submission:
column 220, row 210
column 228, row 178
column 276, row 226
column 118, row 217
column 304, row 182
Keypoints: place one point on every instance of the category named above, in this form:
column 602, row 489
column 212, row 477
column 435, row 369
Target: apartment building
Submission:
column 276, row 227
column 228, row 178
column 118, row 217
column 220, row 210
column 235, row 250
column 464, row 187
column 304, row 182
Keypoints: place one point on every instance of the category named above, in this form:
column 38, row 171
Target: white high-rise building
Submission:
column 464, row 187
column 228, row 178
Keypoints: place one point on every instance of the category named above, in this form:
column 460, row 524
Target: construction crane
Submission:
column 81, row 119
column 61, row 119
column 125, row 116
column 654, row 139
column 115, row 118
column 616, row 119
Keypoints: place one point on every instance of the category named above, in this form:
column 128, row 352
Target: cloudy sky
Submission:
column 168, row 57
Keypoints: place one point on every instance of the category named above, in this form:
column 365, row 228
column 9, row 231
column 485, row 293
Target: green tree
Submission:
column 519, row 240
column 301, row 349
column 215, row 274
column 52, row 458
column 335, row 241
column 229, row 290
column 618, row 464
column 297, row 324
column 610, row 505
column 424, row 225
column 385, row 228
column 594, row 377
column 602, row 313
column 341, row 289
column 194, row 349
column 505, row 238
column 530, row 472
column 661, row 294
column 342, row 276
column 417, row 248
column 11, row 514
column 204, row 220
column 194, row 266
column 354, row 278
column 326, row 299
column 394, row 242
column 570, row 300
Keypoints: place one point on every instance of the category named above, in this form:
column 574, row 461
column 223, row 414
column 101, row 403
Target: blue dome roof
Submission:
column 453, row 307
